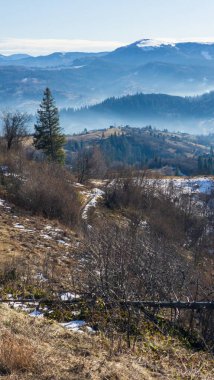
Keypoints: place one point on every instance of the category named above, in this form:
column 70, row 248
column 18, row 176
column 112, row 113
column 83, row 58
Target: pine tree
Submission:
column 48, row 135
column 200, row 164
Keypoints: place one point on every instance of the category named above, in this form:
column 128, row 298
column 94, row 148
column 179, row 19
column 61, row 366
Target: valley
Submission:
column 86, row 79
column 107, row 190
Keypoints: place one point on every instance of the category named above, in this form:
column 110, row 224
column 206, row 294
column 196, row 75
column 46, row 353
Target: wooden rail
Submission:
column 138, row 304
column 173, row 304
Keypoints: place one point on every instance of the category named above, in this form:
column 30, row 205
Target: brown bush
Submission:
column 16, row 354
column 45, row 188
column 142, row 199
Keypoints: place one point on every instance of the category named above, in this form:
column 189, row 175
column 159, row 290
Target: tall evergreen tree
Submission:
column 48, row 135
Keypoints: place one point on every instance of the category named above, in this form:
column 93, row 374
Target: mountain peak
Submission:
column 151, row 43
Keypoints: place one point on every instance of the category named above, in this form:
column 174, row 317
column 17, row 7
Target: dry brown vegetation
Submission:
column 41, row 350
column 31, row 245
column 139, row 245
column 43, row 188
column 146, row 247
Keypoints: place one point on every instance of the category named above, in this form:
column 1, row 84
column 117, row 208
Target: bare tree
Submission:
column 14, row 127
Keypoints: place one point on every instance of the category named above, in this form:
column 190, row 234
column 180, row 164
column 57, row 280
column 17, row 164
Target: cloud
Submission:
column 47, row 46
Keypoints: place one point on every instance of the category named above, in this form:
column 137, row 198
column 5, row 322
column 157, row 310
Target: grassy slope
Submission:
column 41, row 350
column 35, row 248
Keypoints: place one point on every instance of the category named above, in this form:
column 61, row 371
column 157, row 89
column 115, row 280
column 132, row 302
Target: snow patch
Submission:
column 74, row 325
column 4, row 204
column 37, row 314
column 68, row 296
column 1, row 202
column 22, row 228
column 149, row 44
column 63, row 243
column 199, row 185
column 45, row 236
column 95, row 195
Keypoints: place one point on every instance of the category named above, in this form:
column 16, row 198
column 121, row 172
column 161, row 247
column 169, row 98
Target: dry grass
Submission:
column 41, row 350
column 35, row 249
column 38, row 349
column 94, row 135
column 16, row 354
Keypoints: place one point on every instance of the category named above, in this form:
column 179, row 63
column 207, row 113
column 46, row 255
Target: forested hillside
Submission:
column 173, row 112
column 141, row 148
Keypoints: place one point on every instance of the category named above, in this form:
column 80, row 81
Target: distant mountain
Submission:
column 157, row 109
column 52, row 60
column 78, row 78
column 13, row 57
column 144, row 51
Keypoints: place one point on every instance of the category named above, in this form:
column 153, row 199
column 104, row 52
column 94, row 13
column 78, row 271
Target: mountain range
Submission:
column 78, row 79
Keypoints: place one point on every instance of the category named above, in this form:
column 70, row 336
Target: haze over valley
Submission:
column 147, row 66
column 107, row 190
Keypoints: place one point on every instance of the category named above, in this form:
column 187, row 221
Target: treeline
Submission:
column 206, row 163
column 155, row 105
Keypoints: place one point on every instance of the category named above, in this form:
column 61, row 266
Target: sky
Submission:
column 43, row 26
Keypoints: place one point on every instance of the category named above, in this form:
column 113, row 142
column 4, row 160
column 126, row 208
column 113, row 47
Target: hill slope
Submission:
column 39, row 349
column 173, row 112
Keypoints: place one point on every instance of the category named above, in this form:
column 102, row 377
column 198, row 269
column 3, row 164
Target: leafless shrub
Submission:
column 132, row 262
column 47, row 189
column 14, row 127
column 89, row 163
column 16, row 354
column 143, row 198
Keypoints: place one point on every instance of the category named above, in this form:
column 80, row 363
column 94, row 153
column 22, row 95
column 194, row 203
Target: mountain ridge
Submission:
column 78, row 78
column 145, row 108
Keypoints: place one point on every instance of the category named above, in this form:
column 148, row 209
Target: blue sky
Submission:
column 42, row 26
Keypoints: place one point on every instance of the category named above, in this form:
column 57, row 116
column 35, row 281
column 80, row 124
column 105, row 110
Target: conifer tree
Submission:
column 48, row 135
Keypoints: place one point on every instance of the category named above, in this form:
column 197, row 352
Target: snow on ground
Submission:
column 194, row 185
column 199, row 189
column 78, row 326
column 68, row 296
column 94, row 195
column 20, row 306
column 4, row 204
column 22, row 228
column 33, row 309
column 45, row 236
column 50, row 233
column 39, row 276
column 74, row 325
column 181, row 185
column 37, row 314
column 63, row 243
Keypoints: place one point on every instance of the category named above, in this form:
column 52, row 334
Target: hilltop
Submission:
column 144, row 147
